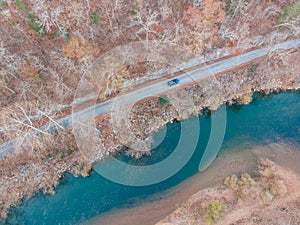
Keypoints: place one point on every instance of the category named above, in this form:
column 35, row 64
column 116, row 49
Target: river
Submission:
column 267, row 119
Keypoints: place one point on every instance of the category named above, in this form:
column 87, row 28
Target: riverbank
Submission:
column 237, row 160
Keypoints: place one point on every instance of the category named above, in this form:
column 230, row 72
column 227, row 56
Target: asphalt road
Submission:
column 153, row 90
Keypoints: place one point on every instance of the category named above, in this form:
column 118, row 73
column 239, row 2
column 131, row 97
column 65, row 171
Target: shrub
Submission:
column 163, row 99
column 289, row 12
column 67, row 36
column 34, row 23
column 215, row 211
column 96, row 17
column 3, row 4
column 133, row 12
column 21, row 6
column 254, row 67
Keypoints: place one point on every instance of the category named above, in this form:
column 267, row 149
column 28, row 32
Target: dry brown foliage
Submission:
column 28, row 71
column 204, row 23
column 79, row 48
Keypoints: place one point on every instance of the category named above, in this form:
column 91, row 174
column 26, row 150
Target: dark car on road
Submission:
column 173, row 82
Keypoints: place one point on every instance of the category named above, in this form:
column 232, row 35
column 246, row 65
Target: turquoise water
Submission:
column 265, row 120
